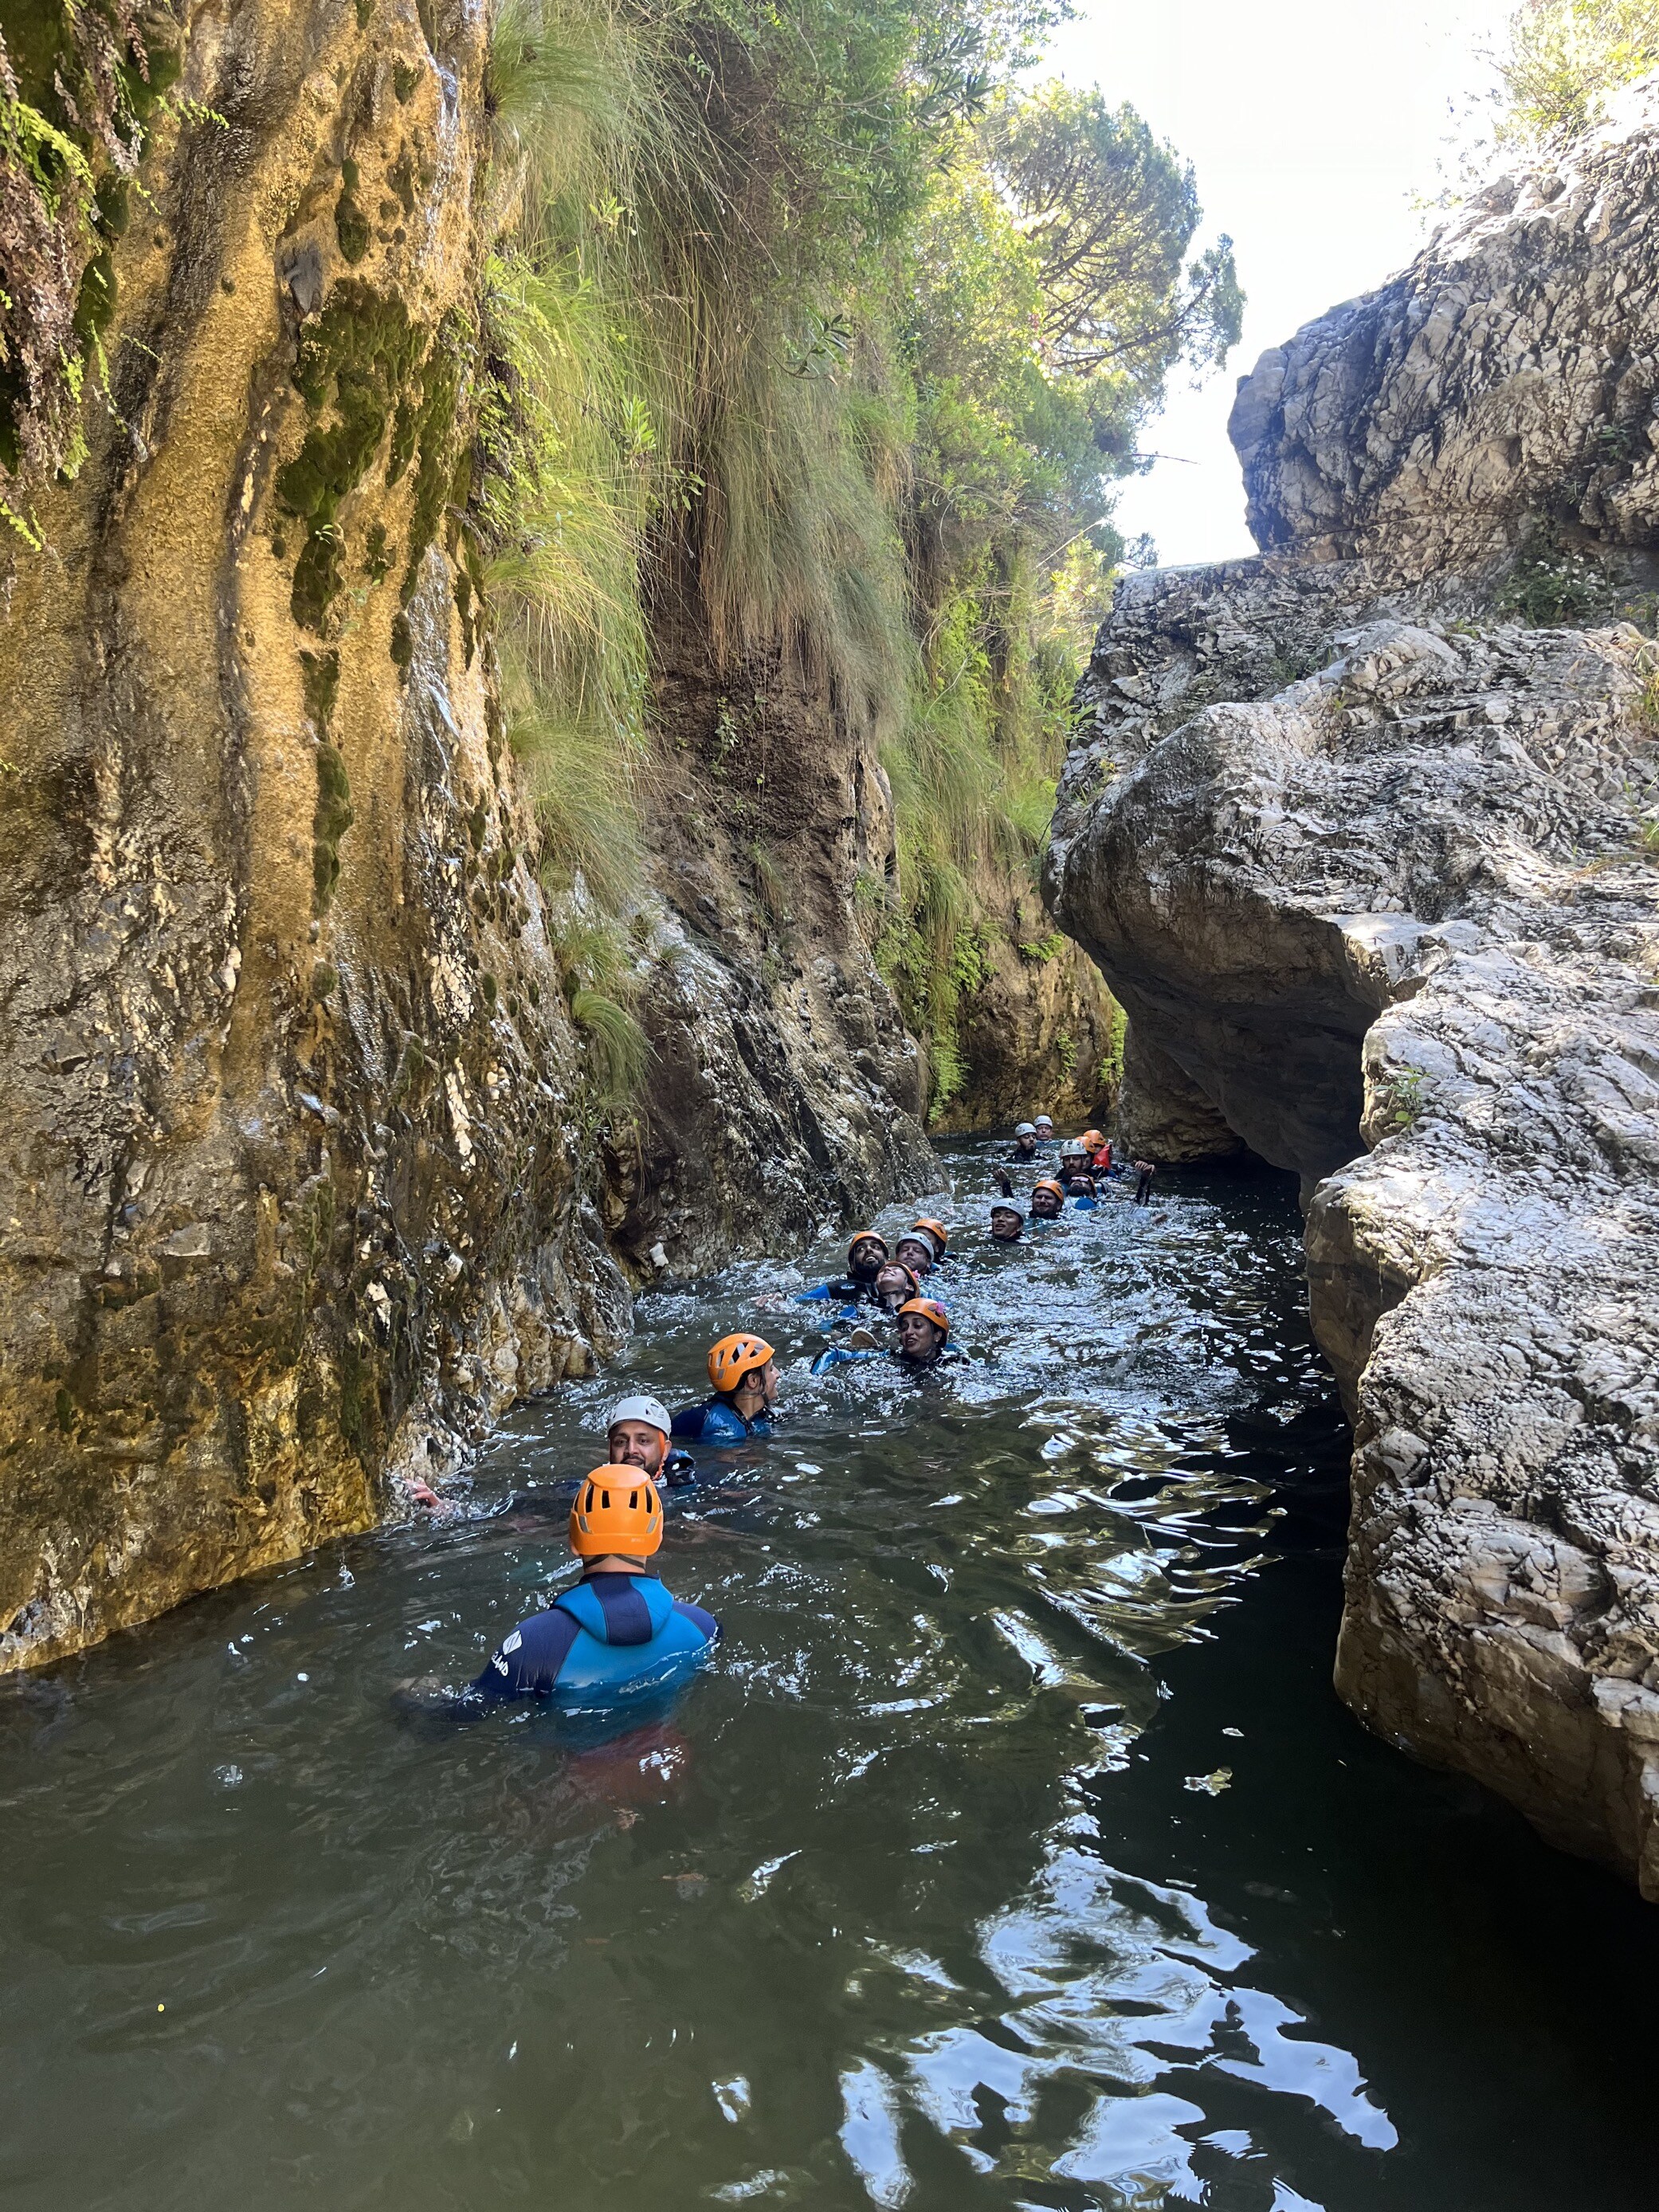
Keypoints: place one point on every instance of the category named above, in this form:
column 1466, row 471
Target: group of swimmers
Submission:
column 618, row 1629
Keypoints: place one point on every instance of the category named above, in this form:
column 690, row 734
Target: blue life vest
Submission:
column 718, row 1423
column 616, row 1633
column 1083, row 1205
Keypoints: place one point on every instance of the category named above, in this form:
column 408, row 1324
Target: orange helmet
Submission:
column 734, row 1357
column 930, row 1310
column 617, row 1509
column 937, row 1230
column 1092, row 1140
column 1049, row 1182
column 867, row 1237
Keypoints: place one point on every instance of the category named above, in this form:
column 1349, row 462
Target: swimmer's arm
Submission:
column 526, row 1662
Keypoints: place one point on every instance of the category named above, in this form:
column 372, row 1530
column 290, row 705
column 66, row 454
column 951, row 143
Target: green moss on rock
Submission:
column 333, row 818
column 364, row 354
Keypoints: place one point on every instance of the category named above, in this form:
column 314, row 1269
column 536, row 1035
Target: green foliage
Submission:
column 77, row 86
column 1111, row 1065
column 1565, row 57
column 809, row 310
column 599, row 988
column 1552, row 585
column 1404, row 1100
column 1108, row 215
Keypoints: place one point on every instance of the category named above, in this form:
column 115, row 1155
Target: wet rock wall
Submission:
column 1363, row 832
column 301, row 1180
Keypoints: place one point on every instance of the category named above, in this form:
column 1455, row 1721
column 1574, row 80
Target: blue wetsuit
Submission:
column 839, row 1356
column 717, row 1421
column 610, row 1632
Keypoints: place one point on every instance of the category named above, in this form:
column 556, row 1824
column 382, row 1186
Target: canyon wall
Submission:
column 1364, row 833
column 303, row 1180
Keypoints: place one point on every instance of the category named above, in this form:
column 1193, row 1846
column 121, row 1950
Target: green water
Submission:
column 1014, row 1851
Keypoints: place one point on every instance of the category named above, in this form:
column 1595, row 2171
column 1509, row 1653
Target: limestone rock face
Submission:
column 1039, row 1033
column 1374, row 871
column 1404, row 904
column 1160, row 1113
column 786, row 1092
column 288, row 1199
column 1507, row 378
column 301, row 1173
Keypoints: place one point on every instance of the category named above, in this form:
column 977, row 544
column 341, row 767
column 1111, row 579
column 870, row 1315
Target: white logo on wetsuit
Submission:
column 513, row 1642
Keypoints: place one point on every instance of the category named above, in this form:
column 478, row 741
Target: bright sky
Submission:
column 1310, row 124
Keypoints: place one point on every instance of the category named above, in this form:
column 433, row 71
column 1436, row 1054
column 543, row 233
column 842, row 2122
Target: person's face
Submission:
column 914, row 1255
column 1005, row 1227
column 893, row 1286
column 1081, row 1186
column 636, row 1444
column 867, row 1255
column 1026, row 1147
column 761, row 1382
column 1045, row 1204
column 917, row 1337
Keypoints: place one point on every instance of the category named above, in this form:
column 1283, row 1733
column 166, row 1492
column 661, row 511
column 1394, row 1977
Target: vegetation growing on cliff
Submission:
column 814, row 318
column 77, row 85
column 1565, row 57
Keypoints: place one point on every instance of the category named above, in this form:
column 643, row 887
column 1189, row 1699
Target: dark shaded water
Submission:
column 1014, row 1853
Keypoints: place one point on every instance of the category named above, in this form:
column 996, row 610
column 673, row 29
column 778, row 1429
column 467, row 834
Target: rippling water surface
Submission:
column 1014, row 1852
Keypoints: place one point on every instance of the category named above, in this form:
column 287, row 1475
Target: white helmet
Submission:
column 1025, row 1128
column 651, row 1411
column 1044, row 1122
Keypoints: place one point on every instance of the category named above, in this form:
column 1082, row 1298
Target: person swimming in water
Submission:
column 894, row 1284
column 937, row 1236
column 916, row 1252
column 923, row 1342
column 1047, row 1198
column 1007, row 1224
column 616, row 1633
column 865, row 1256
column 1099, row 1151
column 639, row 1434
column 743, row 1371
column 1025, row 1144
column 924, row 1334
column 1045, row 1129
column 1081, row 1190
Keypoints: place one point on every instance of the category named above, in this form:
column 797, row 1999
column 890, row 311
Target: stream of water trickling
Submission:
column 1013, row 1853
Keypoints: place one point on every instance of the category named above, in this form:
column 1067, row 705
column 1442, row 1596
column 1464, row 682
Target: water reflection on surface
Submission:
column 1014, row 1852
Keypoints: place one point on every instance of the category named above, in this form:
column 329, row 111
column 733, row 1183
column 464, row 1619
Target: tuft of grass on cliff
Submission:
column 824, row 316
